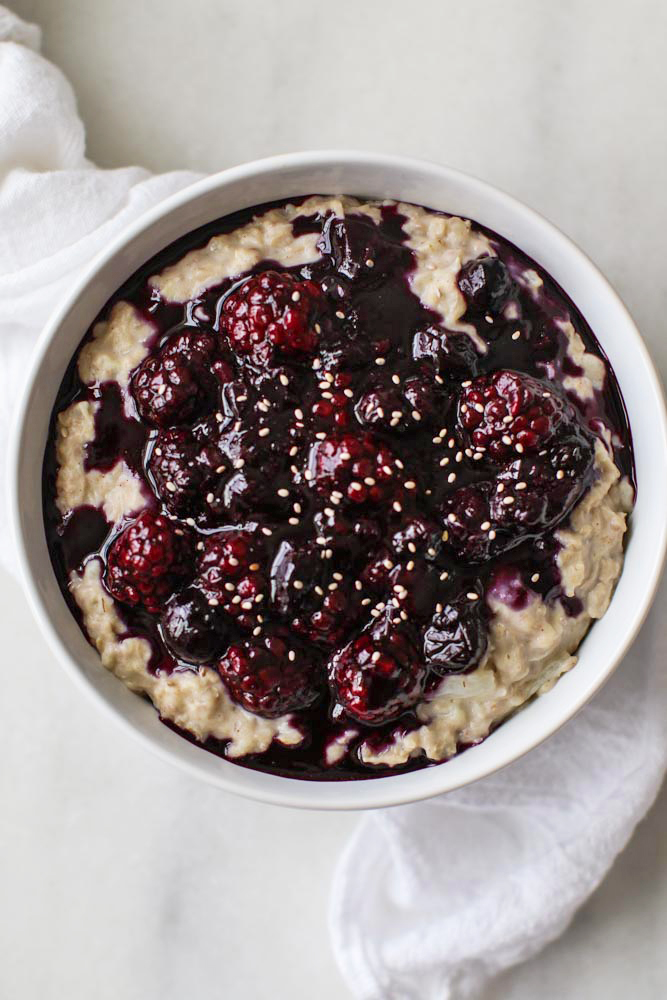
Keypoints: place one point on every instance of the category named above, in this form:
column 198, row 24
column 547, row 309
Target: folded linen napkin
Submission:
column 428, row 900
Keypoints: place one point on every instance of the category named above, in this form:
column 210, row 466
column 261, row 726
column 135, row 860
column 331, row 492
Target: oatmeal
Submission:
column 339, row 485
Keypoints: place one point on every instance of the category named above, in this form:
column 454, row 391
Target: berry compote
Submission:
column 332, row 475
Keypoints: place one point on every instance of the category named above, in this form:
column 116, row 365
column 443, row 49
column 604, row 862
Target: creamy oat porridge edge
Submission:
column 528, row 650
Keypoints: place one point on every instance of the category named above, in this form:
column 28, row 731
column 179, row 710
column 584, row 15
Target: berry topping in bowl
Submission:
column 270, row 675
column 507, row 413
column 273, row 313
column 148, row 561
column 379, row 675
column 353, row 493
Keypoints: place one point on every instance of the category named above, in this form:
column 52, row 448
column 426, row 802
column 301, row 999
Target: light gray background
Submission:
column 121, row 878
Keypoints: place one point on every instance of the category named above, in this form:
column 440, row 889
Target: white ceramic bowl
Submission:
column 377, row 177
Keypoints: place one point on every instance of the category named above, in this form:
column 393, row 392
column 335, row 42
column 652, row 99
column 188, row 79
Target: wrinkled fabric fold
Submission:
column 431, row 900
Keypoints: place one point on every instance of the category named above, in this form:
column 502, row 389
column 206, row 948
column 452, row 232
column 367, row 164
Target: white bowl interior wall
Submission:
column 378, row 177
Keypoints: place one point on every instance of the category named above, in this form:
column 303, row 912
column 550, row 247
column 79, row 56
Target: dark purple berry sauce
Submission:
column 327, row 467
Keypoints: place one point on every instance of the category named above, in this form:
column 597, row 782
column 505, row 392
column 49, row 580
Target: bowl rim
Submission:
column 392, row 789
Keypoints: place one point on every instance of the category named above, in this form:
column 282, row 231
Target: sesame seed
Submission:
column 241, row 399
column 375, row 613
column 410, row 484
column 298, row 584
column 501, row 487
column 445, row 536
column 431, row 552
column 337, row 576
column 387, row 563
column 293, row 520
column 220, row 469
column 298, row 414
column 394, row 422
column 332, row 586
column 171, row 487
column 230, row 586
column 439, row 380
column 479, row 407
column 508, row 501
column 519, row 448
column 506, row 439
column 492, row 535
column 296, row 296
column 535, row 577
column 472, row 596
column 416, row 415
column 560, row 474
column 318, row 329
column 451, row 443
column 320, row 435
column 451, row 518
column 370, row 263
column 340, row 314
column 516, row 334
column 356, row 486
column 437, row 440
column 397, row 507
column 297, row 507
column 293, row 450
column 319, row 591
column 253, row 567
column 369, row 481
column 158, row 451
column 328, row 553
column 348, row 393
column 308, row 474
column 213, row 601
column 410, row 566
column 464, row 408
column 218, row 417
column 267, row 532
column 291, row 656
column 399, row 464
column 546, row 395
column 380, row 361
column 264, row 432
column 387, row 469
column 488, row 318
column 444, row 462
column 190, row 521
column 451, row 478
column 282, row 492
column 317, row 363
column 396, row 379
column 236, row 599
column 283, row 379
column 443, row 576
column 520, row 486
column 246, row 605
column 466, row 384
column 321, row 540
column 459, row 456
column 257, row 630
column 365, row 602
column 412, row 547
column 200, row 546
column 263, row 407
column 485, row 525
column 358, row 585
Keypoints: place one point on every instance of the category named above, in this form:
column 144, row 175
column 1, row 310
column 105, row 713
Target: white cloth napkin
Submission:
column 430, row 900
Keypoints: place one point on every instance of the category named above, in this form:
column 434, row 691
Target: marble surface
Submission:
column 121, row 877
